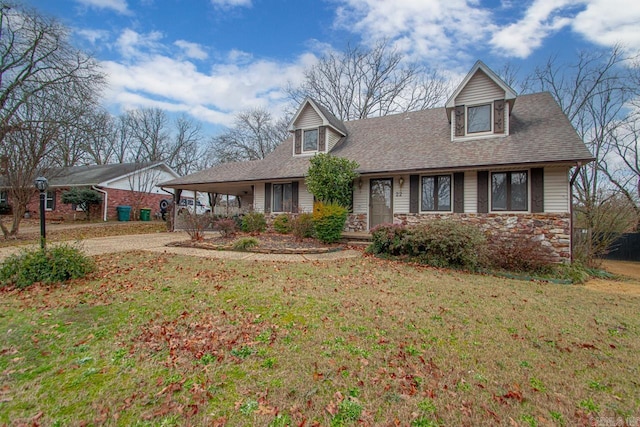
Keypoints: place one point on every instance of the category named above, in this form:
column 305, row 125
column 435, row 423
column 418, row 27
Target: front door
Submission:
column 380, row 201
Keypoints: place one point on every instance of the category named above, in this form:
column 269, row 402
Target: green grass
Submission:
column 169, row 340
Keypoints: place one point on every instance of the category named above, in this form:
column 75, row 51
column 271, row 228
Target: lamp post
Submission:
column 42, row 184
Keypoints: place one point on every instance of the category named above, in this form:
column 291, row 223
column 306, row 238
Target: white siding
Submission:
column 258, row 197
column 479, row 89
column 140, row 181
column 400, row 195
column 305, row 199
column 361, row 197
column 308, row 118
column 333, row 138
column 556, row 190
column 471, row 192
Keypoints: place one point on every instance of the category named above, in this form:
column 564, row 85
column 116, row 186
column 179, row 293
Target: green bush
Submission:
column 387, row 239
column 254, row 222
column 328, row 221
column 330, row 178
column 445, row 243
column 245, row 243
column 55, row 265
column 441, row 243
column 283, row 224
column 302, row 226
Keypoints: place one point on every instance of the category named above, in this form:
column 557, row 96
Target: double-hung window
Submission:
column 436, row 193
column 50, row 200
column 310, row 140
column 282, row 197
column 509, row 191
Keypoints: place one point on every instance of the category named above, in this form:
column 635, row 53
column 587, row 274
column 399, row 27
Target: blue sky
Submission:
column 213, row 58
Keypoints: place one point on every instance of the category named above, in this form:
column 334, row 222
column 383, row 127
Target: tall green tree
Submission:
column 330, row 179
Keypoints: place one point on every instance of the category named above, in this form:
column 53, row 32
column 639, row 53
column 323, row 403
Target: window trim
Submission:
column 273, row 198
column 451, row 198
column 508, row 200
column 304, row 132
column 466, row 119
column 48, row 199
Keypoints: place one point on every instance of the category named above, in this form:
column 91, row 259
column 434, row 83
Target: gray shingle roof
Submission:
column 85, row 176
column 539, row 133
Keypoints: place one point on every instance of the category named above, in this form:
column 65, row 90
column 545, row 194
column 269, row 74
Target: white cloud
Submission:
column 226, row 4
column 192, row 50
column 151, row 76
column 93, row 36
column 424, row 28
column 119, row 6
column 540, row 20
column 132, row 44
column 608, row 22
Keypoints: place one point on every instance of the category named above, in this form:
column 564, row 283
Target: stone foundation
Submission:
column 355, row 223
column 550, row 229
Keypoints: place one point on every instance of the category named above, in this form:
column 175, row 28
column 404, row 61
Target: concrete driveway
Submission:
column 157, row 243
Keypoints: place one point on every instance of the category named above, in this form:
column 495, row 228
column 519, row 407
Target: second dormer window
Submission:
column 310, row 140
column 479, row 118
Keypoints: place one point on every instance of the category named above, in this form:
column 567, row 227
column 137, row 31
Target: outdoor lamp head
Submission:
column 41, row 184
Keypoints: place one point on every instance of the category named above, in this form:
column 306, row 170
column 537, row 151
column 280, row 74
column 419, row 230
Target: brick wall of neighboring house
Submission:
column 552, row 230
column 116, row 198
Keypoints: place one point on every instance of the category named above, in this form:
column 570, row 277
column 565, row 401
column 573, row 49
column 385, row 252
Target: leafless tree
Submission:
column 146, row 135
column 361, row 82
column 102, row 139
column 254, row 135
column 594, row 93
column 42, row 79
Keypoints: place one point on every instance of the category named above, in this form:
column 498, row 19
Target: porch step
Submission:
column 356, row 238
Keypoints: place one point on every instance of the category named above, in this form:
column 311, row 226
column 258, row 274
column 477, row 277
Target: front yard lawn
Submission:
column 170, row 340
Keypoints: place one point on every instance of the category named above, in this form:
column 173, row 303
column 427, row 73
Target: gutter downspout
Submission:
column 571, row 182
column 106, row 201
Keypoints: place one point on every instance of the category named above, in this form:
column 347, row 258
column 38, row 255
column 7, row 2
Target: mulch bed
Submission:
column 268, row 243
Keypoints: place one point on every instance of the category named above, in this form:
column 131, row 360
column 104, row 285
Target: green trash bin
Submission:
column 124, row 212
column 145, row 214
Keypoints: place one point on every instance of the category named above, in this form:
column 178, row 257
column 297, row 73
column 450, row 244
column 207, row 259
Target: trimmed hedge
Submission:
column 328, row 221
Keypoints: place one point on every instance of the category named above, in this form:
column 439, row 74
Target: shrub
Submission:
column 387, row 239
column 254, row 222
column 328, row 221
column 245, row 243
column 225, row 226
column 445, row 243
column 84, row 198
column 195, row 224
column 58, row 264
column 283, row 224
column 520, row 255
column 330, row 178
column 302, row 226
column 441, row 243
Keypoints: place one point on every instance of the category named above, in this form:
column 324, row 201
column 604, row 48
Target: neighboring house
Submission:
column 488, row 157
column 131, row 184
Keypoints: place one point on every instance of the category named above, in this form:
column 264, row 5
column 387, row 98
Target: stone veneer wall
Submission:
column 552, row 230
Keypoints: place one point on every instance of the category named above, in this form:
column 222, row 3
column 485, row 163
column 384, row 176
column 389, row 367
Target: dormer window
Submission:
column 479, row 118
column 310, row 142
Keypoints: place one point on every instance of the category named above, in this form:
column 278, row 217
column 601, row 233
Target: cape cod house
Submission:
column 488, row 156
